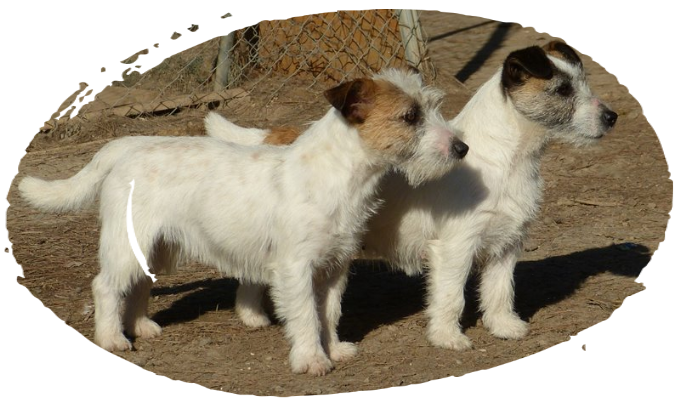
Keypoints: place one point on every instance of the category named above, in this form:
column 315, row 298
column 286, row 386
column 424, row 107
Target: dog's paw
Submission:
column 146, row 328
column 451, row 340
column 253, row 318
column 508, row 326
column 342, row 351
column 317, row 365
column 116, row 342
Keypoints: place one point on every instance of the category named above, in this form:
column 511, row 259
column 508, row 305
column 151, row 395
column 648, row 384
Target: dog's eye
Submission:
column 565, row 90
column 412, row 116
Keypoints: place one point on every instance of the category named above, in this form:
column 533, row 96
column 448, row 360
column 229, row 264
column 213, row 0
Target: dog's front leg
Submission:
column 329, row 289
column 449, row 267
column 497, row 296
column 293, row 296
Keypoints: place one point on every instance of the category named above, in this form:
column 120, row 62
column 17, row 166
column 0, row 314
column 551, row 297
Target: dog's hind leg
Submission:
column 136, row 320
column 497, row 296
column 329, row 290
column 293, row 295
column 250, row 304
column 108, row 331
column 119, row 269
column 449, row 268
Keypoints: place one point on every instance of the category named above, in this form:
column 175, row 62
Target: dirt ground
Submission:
column 605, row 212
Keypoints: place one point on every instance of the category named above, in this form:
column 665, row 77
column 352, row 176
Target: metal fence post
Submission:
column 17, row 123
column 411, row 37
column 223, row 65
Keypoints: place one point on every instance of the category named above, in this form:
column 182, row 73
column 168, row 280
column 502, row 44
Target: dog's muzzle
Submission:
column 609, row 118
column 459, row 148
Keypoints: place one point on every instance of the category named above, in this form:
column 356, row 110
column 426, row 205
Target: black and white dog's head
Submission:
column 548, row 86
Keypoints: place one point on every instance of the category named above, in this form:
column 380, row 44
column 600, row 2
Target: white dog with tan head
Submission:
column 289, row 217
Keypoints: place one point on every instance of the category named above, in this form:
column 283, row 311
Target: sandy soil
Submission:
column 605, row 212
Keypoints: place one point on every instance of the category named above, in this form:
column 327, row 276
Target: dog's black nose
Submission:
column 609, row 118
column 460, row 148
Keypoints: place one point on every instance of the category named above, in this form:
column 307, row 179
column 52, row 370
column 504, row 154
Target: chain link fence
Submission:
column 75, row 62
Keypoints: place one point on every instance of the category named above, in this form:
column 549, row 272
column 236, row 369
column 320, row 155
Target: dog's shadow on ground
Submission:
column 205, row 295
column 377, row 295
column 550, row 280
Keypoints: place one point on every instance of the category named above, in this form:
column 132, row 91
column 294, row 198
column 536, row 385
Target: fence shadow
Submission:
column 483, row 54
column 378, row 296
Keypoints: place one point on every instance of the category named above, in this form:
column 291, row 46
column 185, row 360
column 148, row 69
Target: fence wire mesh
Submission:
column 136, row 59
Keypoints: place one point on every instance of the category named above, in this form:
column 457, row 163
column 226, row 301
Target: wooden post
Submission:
column 223, row 67
column 411, row 37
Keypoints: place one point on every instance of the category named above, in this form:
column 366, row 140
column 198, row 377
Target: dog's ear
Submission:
column 353, row 99
column 563, row 51
column 524, row 64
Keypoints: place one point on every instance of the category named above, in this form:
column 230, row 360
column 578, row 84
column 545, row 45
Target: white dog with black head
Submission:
column 479, row 213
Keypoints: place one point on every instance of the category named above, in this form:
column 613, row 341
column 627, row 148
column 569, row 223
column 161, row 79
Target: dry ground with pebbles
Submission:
column 605, row 212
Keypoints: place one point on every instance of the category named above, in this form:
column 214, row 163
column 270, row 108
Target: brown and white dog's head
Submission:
column 398, row 117
column 548, row 86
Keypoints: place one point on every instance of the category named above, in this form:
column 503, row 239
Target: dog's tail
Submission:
column 77, row 191
column 218, row 127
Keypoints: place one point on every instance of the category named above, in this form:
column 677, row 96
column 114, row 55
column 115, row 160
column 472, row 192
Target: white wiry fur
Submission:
column 220, row 128
column 288, row 217
column 479, row 212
